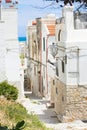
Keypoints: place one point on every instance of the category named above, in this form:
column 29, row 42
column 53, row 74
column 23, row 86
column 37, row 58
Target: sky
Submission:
column 28, row 10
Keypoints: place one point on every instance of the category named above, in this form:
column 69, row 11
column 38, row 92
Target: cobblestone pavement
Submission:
column 48, row 116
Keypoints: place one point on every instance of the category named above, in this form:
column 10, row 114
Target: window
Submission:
column 34, row 70
column 57, row 72
column 53, row 82
column 59, row 35
column 43, row 43
column 63, row 98
column 63, row 66
column 56, row 90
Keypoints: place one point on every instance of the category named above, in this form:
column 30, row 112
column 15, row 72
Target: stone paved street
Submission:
column 48, row 116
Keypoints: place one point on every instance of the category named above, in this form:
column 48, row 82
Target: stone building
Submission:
column 32, row 57
column 44, row 39
column 71, row 82
column 39, row 37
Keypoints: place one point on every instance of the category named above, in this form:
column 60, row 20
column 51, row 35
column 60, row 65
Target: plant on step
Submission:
column 19, row 126
column 8, row 91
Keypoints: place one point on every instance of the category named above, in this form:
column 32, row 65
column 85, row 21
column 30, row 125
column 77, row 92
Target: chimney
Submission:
column 8, row 1
column 77, row 22
column 69, row 17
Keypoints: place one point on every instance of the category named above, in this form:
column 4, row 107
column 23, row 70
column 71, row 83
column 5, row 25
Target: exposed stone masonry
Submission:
column 70, row 102
column 77, row 102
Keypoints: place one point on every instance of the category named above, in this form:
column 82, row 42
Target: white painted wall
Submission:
column 13, row 62
column 44, row 35
column 10, row 16
column 83, row 67
column 11, row 58
column 75, row 69
column 77, row 37
column 46, row 55
column 2, row 53
column 67, row 13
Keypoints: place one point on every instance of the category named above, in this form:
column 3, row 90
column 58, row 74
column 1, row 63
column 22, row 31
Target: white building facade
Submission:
column 10, row 47
column 44, row 39
column 32, row 58
column 71, row 82
column 48, row 60
column 2, row 53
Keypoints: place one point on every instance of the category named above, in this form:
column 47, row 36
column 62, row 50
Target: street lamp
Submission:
column 53, row 49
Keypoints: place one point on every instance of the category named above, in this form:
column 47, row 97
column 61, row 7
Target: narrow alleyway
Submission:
column 48, row 116
column 38, row 106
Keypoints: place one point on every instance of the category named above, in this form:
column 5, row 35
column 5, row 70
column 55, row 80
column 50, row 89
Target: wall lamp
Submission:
column 53, row 49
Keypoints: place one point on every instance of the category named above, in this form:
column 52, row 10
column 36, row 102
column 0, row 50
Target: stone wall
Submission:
column 70, row 102
column 77, row 102
column 52, row 91
column 60, row 99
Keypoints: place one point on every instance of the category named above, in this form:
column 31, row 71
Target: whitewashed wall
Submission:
column 76, row 43
column 10, row 16
column 2, row 53
column 46, row 68
column 12, row 61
